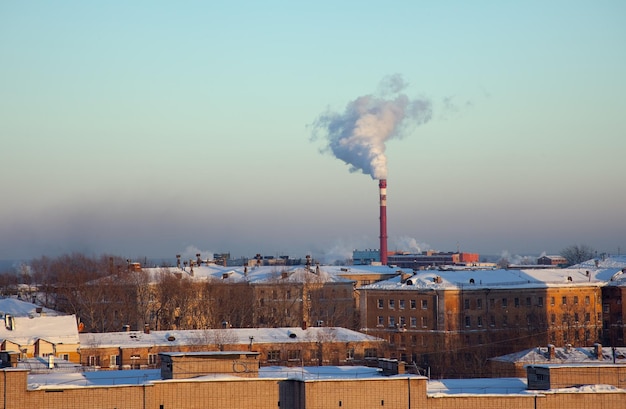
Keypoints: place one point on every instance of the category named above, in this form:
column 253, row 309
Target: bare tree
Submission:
column 576, row 254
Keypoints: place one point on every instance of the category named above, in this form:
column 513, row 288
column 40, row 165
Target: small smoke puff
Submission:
column 358, row 135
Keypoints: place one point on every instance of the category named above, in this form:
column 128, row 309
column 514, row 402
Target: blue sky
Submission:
column 153, row 128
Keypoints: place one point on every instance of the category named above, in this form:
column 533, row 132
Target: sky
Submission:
column 159, row 128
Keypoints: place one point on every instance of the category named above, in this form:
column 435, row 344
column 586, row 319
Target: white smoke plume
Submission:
column 358, row 135
column 405, row 243
column 189, row 253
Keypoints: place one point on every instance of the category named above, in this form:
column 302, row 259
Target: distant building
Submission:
column 365, row 257
column 426, row 259
column 552, row 261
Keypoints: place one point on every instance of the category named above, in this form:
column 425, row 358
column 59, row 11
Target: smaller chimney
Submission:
column 597, row 351
column 146, row 328
column 551, row 352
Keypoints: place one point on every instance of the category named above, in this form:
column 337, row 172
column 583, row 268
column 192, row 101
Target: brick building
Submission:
column 193, row 382
column 452, row 321
column 274, row 346
column 33, row 331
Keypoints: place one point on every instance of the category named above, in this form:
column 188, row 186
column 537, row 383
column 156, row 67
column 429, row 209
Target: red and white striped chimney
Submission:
column 382, row 185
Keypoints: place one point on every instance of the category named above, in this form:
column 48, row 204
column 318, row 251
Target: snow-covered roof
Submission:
column 56, row 378
column 477, row 386
column 19, row 308
column 618, row 262
column 61, row 329
column 501, row 278
column 253, row 275
column 565, row 355
column 434, row 388
column 231, row 336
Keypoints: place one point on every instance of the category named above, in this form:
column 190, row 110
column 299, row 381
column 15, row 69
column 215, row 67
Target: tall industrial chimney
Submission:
column 382, row 185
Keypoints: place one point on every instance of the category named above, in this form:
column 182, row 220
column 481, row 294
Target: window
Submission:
column 414, row 321
column 273, row 355
column 516, row 302
column 424, row 304
column 606, row 308
column 467, row 304
column 587, row 317
column 575, row 317
column 468, row 321
column 479, row 304
column 492, row 302
column 381, row 304
column 479, row 321
column 424, row 322
column 402, row 321
column 392, row 321
column 492, row 321
column 64, row 356
column 413, row 304
column 114, row 360
column 505, row 303
column 293, row 355
column 371, row 353
column 528, row 301
column 552, row 301
column 401, row 304
column 540, row 301
column 94, row 361
column 152, row 359
column 575, row 299
column 505, row 320
column 586, row 300
column 392, row 304
column 564, row 300
column 553, row 318
column 350, row 353
column 381, row 320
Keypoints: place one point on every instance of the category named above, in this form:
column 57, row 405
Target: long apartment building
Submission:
column 452, row 321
